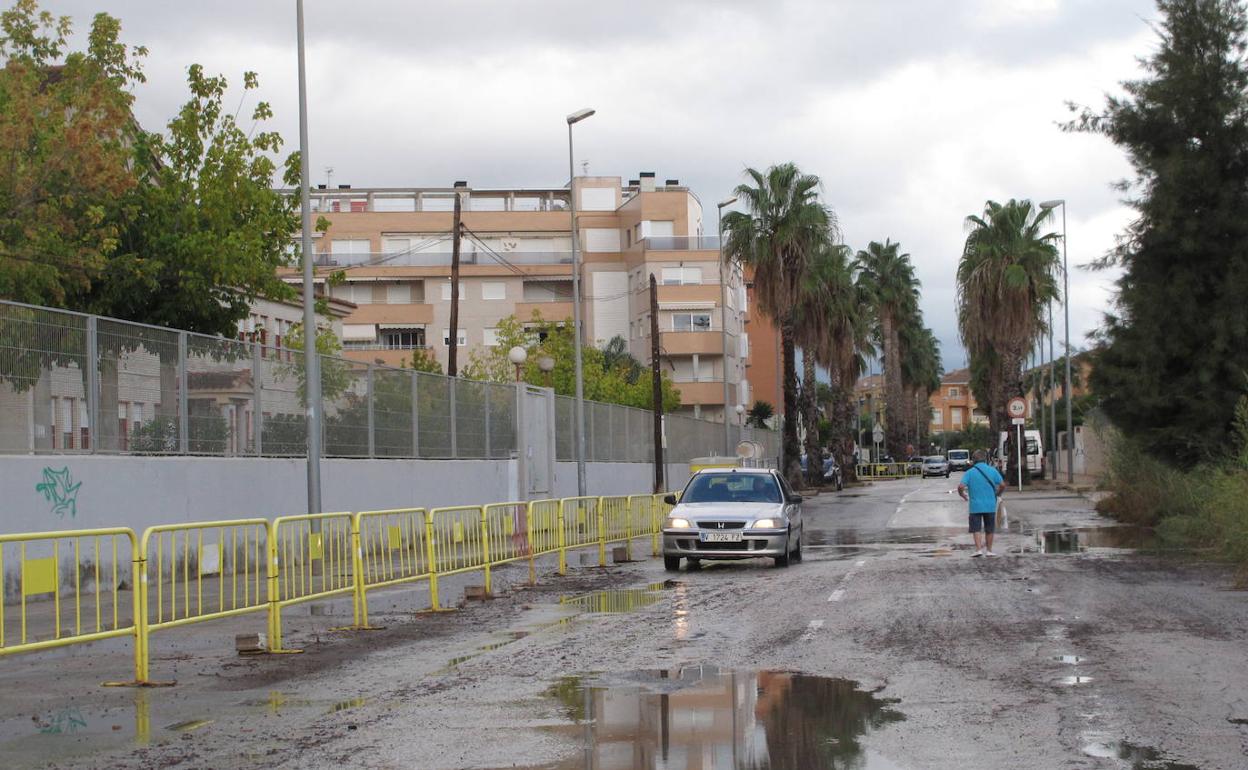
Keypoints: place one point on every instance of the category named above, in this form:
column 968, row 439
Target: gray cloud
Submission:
column 913, row 113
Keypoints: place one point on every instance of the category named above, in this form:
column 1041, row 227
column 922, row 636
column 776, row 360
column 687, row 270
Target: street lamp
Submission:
column 573, row 119
column 311, row 359
column 723, row 314
column 518, row 356
column 547, row 365
column 740, row 415
column 1070, row 428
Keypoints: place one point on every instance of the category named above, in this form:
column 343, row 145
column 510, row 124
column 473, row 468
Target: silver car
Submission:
column 734, row 513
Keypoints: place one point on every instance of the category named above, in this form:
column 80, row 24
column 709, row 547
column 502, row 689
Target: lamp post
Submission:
column 723, row 314
column 573, row 119
column 311, row 359
column 547, row 365
column 1070, row 428
column 517, row 356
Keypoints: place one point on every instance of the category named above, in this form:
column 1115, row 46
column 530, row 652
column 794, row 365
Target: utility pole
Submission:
column 452, row 340
column 656, row 379
column 311, row 358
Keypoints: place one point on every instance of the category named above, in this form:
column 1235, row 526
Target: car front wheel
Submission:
column 671, row 563
column 786, row 559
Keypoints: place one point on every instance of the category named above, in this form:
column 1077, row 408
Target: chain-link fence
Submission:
column 159, row 391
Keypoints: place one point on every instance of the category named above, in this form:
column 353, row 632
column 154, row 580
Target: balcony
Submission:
column 550, row 311
column 689, row 293
column 346, row 199
column 681, row 243
column 440, row 259
column 700, row 392
column 688, row 343
column 414, row 313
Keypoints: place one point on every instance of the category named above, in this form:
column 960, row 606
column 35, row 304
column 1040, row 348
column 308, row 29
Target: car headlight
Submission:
column 678, row 523
column 766, row 524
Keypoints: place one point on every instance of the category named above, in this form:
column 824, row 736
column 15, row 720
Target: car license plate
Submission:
column 721, row 537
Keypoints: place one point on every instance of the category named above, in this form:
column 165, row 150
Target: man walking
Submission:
column 980, row 486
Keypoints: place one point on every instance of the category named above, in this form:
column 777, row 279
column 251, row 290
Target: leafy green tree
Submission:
column 760, row 413
column 423, row 361
column 887, row 278
column 65, row 134
column 1172, row 364
column 612, row 380
column 336, row 374
column 776, row 238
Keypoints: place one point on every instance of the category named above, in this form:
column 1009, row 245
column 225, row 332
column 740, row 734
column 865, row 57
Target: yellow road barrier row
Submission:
column 887, row 470
column 79, row 586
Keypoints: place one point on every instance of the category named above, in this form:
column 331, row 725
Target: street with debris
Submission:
column 888, row 646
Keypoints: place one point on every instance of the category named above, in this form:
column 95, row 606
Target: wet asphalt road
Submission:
column 888, row 647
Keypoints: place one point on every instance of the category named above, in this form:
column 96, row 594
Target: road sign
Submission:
column 878, row 434
column 1019, row 421
column 1017, row 407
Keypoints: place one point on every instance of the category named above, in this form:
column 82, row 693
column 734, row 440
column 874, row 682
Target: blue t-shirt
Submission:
column 982, row 487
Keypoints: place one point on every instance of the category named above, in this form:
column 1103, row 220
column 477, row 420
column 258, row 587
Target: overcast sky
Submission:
column 912, row 112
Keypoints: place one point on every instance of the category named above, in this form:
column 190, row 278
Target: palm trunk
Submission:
column 843, row 424
column 810, row 415
column 792, row 449
column 894, row 396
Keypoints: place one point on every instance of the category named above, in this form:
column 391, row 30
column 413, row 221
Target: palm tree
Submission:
column 776, row 238
column 920, row 373
column 1006, row 277
column 887, row 277
column 832, row 331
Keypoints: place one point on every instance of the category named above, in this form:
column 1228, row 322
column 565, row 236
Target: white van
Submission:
column 1033, row 453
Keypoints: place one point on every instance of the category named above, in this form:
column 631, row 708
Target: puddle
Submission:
column 704, row 718
column 1081, row 539
column 1069, row 659
column 1071, row 681
column 620, row 599
column 1140, row 757
column 898, row 536
column 59, row 733
column 189, row 725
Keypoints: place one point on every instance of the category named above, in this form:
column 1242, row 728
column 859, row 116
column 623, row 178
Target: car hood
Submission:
column 728, row 511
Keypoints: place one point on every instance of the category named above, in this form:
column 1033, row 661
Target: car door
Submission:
column 793, row 511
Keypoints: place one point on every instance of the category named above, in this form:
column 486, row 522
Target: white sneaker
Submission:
column 990, row 554
column 978, row 553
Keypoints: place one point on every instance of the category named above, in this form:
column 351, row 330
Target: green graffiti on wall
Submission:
column 59, row 489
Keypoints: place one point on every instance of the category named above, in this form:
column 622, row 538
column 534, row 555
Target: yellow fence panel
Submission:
column 617, row 521
column 642, row 513
column 507, row 526
column 201, row 571
column 71, row 587
column 582, row 524
column 392, row 548
column 457, row 543
column 887, row 470
column 544, row 526
column 310, row 557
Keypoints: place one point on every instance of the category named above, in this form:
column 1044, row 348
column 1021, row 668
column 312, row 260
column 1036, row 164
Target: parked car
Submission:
column 832, row 474
column 914, row 466
column 959, row 459
column 936, row 465
column 1033, row 449
column 740, row 513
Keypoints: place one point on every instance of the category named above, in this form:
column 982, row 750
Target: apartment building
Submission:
column 953, row 405
column 394, row 248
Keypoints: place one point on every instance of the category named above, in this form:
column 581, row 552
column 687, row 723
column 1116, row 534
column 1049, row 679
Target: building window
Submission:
column 682, row 276
column 446, row 291
column 691, row 322
column 403, row 339
column 399, row 294
column 461, row 337
column 491, row 337
column 489, row 290
column 938, row 417
column 957, row 417
column 954, row 393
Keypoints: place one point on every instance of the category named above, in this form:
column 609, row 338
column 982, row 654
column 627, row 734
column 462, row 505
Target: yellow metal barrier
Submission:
column 581, row 525
column 887, row 470
column 545, row 533
column 643, row 521
column 199, row 571
column 392, row 548
column 457, row 542
column 310, row 557
column 507, row 535
column 70, row 574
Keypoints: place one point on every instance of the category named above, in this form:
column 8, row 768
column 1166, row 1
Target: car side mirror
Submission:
column 795, row 498
column 669, row 499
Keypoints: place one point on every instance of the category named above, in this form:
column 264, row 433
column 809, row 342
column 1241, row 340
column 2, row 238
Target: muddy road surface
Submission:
column 887, row 647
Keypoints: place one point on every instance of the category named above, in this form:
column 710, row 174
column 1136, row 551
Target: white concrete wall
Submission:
column 139, row 492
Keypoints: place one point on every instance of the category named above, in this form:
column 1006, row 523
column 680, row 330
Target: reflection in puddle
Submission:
column 1071, row 659
column 189, row 725
column 1140, row 757
column 1078, row 540
column 1068, row 681
column 901, row 535
column 702, row 718
column 619, row 599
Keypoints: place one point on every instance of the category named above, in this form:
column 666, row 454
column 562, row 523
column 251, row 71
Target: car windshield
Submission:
column 732, row 488
column 935, row 460
column 959, row 455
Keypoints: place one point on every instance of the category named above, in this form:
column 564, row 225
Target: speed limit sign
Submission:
column 1017, row 408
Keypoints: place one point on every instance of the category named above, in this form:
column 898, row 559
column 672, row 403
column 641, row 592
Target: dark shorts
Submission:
column 984, row 522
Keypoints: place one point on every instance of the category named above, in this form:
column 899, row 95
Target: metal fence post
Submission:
column 602, row 534
column 563, row 541
column 372, row 426
column 184, row 416
column 93, row 382
column 454, row 420
column 487, row 390
column 485, row 550
column 415, row 415
column 521, row 444
column 432, row 555
column 257, row 409
column 591, row 437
